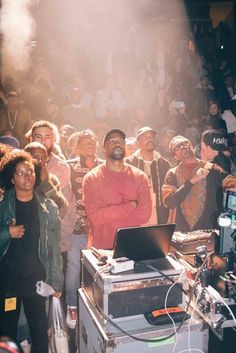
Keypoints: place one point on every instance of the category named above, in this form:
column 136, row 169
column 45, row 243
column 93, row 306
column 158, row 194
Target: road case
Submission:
column 191, row 337
column 134, row 292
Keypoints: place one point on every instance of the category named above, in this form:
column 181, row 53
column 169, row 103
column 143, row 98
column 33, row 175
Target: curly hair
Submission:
column 4, row 149
column 8, row 167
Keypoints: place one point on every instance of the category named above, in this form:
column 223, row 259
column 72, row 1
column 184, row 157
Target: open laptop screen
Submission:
column 143, row 243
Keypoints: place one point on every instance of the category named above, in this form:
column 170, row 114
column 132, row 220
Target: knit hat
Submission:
column 215, row 140
column 10, row 141
column 176, row 141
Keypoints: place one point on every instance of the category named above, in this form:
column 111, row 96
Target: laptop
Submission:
column 143, row 243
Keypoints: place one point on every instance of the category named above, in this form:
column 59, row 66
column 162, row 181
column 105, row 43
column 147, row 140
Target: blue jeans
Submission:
column 78, row 243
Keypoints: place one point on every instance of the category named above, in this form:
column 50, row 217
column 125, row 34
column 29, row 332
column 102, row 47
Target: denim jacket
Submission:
column 49, row 252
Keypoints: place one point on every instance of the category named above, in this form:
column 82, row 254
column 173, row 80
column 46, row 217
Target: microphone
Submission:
column 101, row 257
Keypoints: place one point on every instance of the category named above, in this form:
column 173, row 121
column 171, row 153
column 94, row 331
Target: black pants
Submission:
column 35, row 313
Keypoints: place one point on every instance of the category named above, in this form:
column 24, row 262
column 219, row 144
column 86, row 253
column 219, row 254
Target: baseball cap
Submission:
column 113, row 131
column 216, row 140
column 144, row 129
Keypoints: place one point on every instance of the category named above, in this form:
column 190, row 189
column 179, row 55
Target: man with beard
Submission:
column 115, row 194
column 155, row 167
column 193, row 191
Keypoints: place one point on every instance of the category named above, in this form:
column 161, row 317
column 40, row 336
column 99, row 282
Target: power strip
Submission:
column 121, row 264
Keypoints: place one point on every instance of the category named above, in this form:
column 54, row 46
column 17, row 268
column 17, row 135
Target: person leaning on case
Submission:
column 29, row 248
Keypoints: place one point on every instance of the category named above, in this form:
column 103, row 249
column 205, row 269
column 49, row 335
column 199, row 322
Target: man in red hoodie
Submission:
column 115, row 194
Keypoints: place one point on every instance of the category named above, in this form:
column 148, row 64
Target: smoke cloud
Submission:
column 85, row 35
column 18, row 28
column 94, row 28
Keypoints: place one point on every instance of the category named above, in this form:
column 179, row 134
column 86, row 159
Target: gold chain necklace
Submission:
column 12, row 124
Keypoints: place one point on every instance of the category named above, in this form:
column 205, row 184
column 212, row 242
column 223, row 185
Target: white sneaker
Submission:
column 71, row 316
column 26, row 347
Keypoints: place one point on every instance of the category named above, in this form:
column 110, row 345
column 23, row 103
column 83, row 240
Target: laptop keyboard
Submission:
column 152, row 265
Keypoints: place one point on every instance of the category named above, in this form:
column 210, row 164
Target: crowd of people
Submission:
column 150, row 147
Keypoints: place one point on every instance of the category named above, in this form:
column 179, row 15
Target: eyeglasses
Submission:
column 24, row 172
column 181, row 144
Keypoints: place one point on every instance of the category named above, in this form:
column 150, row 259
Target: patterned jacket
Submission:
column 78, row 171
